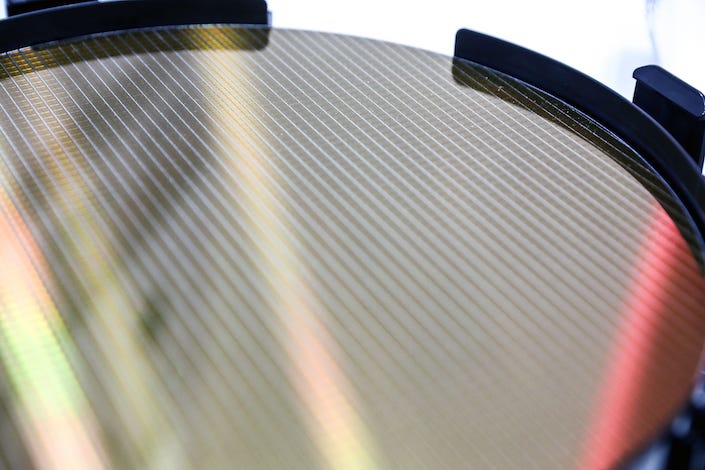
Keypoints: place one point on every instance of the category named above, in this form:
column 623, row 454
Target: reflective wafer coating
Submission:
column 229, row 247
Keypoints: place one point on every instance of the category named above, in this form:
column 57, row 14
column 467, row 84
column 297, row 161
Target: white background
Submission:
column 605, row 39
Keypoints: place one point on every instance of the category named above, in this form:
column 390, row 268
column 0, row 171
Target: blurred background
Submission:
column 605, row 39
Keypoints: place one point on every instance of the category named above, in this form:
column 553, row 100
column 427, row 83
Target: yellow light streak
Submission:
column 326, row 396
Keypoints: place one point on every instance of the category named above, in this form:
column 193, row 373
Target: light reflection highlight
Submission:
column 327, row 397
column 652, row 366
column 50, row 407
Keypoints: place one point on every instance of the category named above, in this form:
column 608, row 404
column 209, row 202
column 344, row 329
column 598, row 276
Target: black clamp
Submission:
column 17, row 7
column 33, row 22
column 674, row 104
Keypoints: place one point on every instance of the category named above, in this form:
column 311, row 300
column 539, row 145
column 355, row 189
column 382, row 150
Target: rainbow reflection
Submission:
column 51, row 411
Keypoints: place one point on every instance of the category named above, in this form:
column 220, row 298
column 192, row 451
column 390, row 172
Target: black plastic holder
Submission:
column 32, row 25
